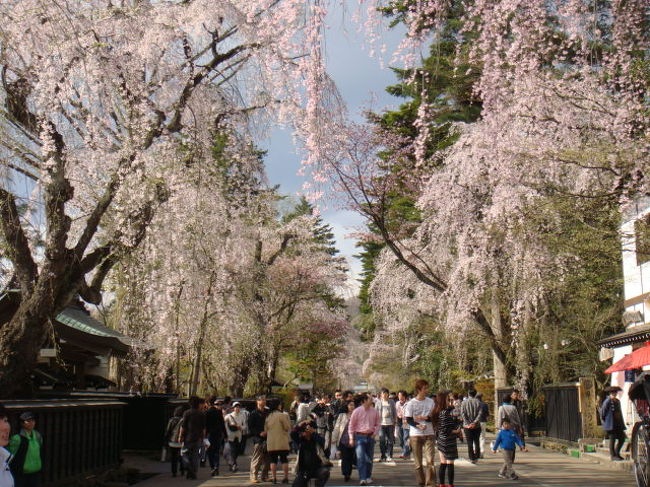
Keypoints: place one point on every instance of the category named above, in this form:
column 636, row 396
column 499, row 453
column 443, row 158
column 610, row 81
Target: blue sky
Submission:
column 362, row 82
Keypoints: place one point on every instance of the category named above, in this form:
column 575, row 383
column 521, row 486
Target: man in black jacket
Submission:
column 215, row 428
column 311, row 462
column 260, row 457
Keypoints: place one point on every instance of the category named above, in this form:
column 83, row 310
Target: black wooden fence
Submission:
column 81, row 437
column 561, row 417
column 562, row 411
column 144, row 416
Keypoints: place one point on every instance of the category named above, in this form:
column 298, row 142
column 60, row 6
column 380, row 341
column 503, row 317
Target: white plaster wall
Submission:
column 636, row 278
column 636, row 281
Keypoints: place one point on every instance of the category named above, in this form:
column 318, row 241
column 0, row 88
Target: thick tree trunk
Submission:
column 239, row 381
column 196, row 366
column 20, row 342
column 500, row 366
column 271, row 371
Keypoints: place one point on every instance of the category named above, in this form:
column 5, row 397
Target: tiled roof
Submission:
column 635, row 334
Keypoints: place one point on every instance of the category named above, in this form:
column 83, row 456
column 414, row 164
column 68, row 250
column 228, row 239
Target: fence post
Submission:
column 588, row 408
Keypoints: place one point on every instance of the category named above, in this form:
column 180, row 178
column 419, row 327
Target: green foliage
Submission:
column 586, row 306
column 446, row 86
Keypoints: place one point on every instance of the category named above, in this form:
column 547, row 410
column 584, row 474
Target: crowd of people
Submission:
column 345, row 426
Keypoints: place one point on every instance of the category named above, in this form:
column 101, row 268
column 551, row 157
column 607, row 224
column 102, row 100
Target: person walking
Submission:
column 192, row 434
column 471, row 412
column 402, row 425
column 6, row 478
column 172, row 436
column 612, row 421
column 235, row 421
column 485, row 414
column 311, row 462
column 303, row 410
column 518, row 403
column 449, row 428
column 508, row 440
column 508, row 411
column 421, row 434
column 215, row 427
column 363, row 427
column 341, row 441
column 259, row 470
column 245, row 433
column 388, row 415
column 26, row 450
column 277, row 427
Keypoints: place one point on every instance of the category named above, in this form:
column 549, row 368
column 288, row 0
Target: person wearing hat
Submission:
column 216, row 430
column 611, row 415
column 26, row 448
column 235, row 422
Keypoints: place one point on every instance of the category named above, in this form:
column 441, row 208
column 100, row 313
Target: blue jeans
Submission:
column 406, row 445
column 386, row 439
column 365, row 448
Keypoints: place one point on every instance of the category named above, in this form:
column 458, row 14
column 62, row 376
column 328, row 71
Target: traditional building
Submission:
column 78, row 355
column 635, row 235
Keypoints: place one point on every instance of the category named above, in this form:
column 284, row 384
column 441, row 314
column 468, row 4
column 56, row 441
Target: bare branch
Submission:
column 17, row 244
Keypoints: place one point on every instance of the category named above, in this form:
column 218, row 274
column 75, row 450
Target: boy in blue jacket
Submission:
column 508, row 440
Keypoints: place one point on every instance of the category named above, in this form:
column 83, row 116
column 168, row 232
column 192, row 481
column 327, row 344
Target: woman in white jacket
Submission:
column 6, row 479
column 341, row 441
column 235, row 424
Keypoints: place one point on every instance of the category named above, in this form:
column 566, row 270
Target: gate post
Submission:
column 589, row 408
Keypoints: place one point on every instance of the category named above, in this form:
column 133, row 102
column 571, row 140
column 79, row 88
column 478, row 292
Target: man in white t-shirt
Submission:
column 421, row 436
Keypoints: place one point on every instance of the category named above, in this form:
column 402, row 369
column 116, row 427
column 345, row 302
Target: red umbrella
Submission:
column 635, row 360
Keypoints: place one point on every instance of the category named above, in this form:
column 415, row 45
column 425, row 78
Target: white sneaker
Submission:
column 389, row 459
column 368, row 481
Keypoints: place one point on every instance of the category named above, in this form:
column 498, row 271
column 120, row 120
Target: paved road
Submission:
column 538, row 468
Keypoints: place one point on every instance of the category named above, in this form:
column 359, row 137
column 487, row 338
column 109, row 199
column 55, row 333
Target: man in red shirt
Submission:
column 362, row 429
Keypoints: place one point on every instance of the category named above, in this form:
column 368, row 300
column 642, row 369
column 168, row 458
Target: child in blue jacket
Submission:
column 508, row 440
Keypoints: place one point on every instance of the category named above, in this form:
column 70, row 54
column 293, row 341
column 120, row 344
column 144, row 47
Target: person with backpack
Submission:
column 172, row 433
column 26, row 449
